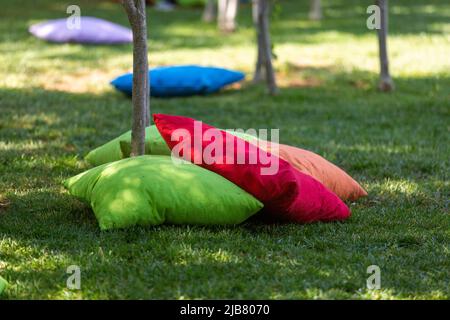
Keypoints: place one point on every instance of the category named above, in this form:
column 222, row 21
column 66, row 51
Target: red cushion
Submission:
column 288, row 194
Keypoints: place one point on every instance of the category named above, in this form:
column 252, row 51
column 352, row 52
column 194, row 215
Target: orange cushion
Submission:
column 330, row 175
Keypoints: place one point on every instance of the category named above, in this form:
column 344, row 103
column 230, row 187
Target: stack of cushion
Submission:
column 183, row 80
column 90, row 31
column 151, row 189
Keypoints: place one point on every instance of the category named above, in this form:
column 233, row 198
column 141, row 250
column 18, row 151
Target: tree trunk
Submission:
column 226, row 18
column 141, row 92
column 264, row 60
column 259, row 68
column 386, row 83
column 315, row 13
column 209, row 13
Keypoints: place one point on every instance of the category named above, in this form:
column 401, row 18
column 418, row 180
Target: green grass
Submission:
column 56, row 104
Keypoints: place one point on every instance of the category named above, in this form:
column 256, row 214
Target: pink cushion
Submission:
column 287, row 194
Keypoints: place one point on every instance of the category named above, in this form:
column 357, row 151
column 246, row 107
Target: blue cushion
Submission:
column 176, row 81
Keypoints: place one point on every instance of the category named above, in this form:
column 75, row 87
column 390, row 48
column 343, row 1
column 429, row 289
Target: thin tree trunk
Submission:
column 140, row 93
column 315, row 12
column 259, row 68
column 386, row 83
column 265, row 46
column 147, row 105
column 221, row 13
column 209, row 11
column 226, row 17
column 231, row 15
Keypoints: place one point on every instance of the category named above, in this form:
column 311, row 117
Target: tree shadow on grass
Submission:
column 291, row 262
column 57, row 123
column 384, row 140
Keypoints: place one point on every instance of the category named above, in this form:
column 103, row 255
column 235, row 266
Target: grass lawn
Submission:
column 56, row 104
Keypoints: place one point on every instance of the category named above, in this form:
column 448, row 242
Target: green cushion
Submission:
column 3, row 285
column 120, row 147
column 151, row 190
column 111, row 151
